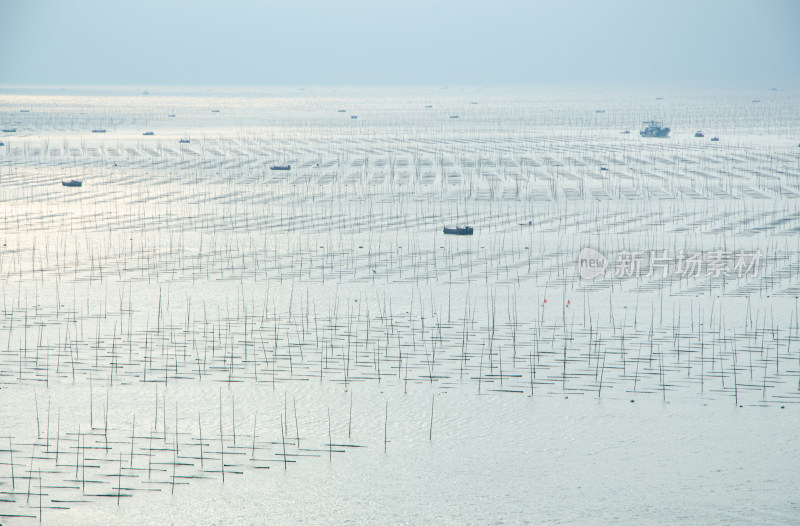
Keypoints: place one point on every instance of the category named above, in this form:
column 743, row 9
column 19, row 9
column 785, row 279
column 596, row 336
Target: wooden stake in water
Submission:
column 119, row 479
column 253, row 451
column 296, row 428
column 58, row 433
column 11, row 452
column 39, row 474
column 330, row 440
column 430, row 431
column 200, row 426
column 283, row 442
column 77, row 455
column 385, row 427
column 174, row 461
column 133, row 434
column 36, row 402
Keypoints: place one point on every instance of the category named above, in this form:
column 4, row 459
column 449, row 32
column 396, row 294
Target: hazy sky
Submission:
column 410, row 42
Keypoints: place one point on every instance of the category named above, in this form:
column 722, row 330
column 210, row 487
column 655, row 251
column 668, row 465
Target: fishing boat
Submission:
column 98, row 130
column 654, row 129
column 699, row 134
column 453, row 116
column 2, row 144
column 342, row 111
column 148, row 133
column 285, row 167
column 73, row 183
column 170, row 115
column 9, row 130
column 184, row 141
column 714, row 139
column 353, row 116
column 459, row 231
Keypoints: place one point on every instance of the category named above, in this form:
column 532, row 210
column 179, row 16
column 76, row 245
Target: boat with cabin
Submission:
column 654, row 129
column 458, row 231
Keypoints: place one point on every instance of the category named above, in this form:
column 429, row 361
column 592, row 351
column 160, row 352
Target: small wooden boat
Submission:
column 699, row 134
column 342, row 111
column 98, row 130
column 459, row 231
column 286, row 167
column 184, row 141
column 73, row 183
column 148, row 133
column 353, row 116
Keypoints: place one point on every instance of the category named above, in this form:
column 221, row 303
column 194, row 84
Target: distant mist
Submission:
column 360, row 42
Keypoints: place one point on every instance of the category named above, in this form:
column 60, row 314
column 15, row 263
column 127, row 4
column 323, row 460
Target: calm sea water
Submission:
column 193, row 337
